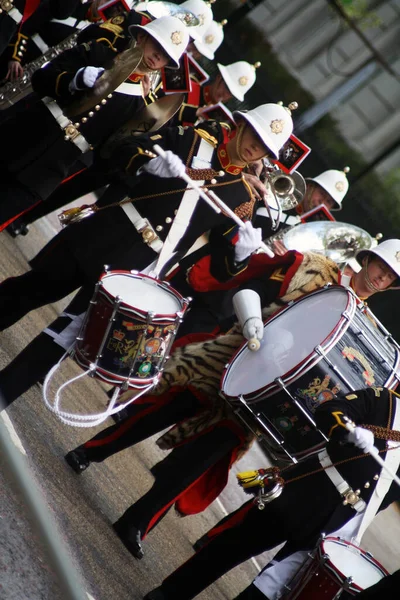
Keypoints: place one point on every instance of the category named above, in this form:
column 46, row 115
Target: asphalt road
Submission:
column 82, row 508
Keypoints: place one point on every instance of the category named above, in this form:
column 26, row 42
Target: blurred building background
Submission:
column 340, row 60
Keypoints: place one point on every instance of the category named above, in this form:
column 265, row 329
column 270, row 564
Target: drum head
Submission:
column 349, row 561
column 289, row 339
column 144, row 293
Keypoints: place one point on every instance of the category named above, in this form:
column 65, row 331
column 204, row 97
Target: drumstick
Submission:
column 216, row 203
column 375, row 454
column 253, row 344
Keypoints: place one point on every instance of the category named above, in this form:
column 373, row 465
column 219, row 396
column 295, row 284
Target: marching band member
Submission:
column 41, row 32
column 297, row 516
column 73, row 120
column 118, row 237
column 328, row 188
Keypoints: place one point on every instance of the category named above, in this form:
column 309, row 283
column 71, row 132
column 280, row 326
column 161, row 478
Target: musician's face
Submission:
column 219, row 90
column 252, row 148
column 153, row 55
column 379, row 273
column 316, row 195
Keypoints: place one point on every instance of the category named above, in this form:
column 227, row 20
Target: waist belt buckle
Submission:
column 71, row 132
column 148, row 233
column 351, row 497
column 6, row 5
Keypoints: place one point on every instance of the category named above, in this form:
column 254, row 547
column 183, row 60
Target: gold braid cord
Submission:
column 383, row 433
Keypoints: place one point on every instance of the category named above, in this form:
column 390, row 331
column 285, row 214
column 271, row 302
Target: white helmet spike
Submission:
column 203, row 12
column 239, row 77
column 211, row 40
column 389, row 252
column 335, row 183
column 170, row 33
column 272, row 123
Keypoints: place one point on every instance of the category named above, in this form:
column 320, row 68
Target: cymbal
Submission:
column 149, row 119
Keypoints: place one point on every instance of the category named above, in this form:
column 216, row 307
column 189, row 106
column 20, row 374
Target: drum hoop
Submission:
column 164, row 285
column 113, row 378
column 309, row 361
column 341, row 577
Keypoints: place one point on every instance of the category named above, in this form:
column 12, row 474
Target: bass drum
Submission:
column 325, row 343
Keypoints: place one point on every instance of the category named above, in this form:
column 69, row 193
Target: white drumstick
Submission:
column 214, row 201
column 253, row 344
column 375, row 454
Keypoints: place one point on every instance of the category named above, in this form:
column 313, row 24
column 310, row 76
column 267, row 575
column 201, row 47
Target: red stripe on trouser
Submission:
column 4, row 225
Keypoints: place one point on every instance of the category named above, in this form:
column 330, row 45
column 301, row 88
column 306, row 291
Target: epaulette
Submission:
column 207, row 136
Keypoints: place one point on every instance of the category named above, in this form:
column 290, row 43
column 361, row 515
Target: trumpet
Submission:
column 288, row 190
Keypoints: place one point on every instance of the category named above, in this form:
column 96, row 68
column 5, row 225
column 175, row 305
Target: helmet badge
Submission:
column 177, row 37
column 277, row 125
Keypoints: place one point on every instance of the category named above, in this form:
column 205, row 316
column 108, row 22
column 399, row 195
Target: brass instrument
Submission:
column 289, row 190
column 160, row 8
column 337, row 241
column 13, row 92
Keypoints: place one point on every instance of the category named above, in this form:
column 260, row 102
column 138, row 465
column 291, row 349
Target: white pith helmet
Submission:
column 211, row 40
column 170, row 33
column 239, row 77
column 389, row 252
column 203, row 12
column 272, row 123
column 335, row 183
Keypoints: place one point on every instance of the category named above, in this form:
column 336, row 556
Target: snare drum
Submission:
column 129, row 328
column 324, row 343
column 335, row 567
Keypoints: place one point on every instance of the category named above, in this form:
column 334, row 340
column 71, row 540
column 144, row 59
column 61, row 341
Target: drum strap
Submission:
column 340, row 484
column 186, row 208
column 392, row 461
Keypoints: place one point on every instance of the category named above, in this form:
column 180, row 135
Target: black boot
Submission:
column 156, row 594
column 201, row 542
column 78, row 459
column 131, row 537
column 17, row 227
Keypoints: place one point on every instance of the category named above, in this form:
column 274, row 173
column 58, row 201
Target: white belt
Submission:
column 349, row 496
column 72, row 22
column 130, row 89
column 286, row 219
column 72, row 134
column 143, row 226
column 12, row 12
column 40, row 43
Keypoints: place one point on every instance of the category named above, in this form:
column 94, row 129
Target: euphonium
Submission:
column 13, row 92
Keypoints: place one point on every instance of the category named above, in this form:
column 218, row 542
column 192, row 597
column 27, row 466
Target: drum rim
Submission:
column 310, row 360
column 165, row 285
column 334, row 569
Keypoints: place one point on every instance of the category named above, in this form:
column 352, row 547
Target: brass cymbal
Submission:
column 149, row 119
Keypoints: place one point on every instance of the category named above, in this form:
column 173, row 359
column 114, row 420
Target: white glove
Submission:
column 249, row 240
column 253, row 328
column 170, row 166
column 362, row 438
column 85, row 78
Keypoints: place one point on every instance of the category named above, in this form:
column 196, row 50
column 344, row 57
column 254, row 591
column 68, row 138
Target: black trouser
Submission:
column 35, row 361
column 175, row 474
column 140, row 425
column 386, row 589
column 251, row 593
column 90, row 180
column 257, row 532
